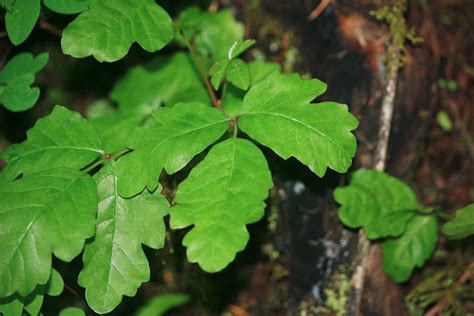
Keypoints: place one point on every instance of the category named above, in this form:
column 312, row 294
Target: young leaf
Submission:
column 114, row 262
column 170, row 141
column 158, row 306
column 223, row 194
column 239, row 47
column 211, row 33
column 21, row 18
column 67, row 6
column 402, row 255
column 217, row 72
column 52, row 211
column 238, row 73
column 276, row 112
column 17, row 76
column 462, row 225
column 115, row 128
column 109, row 27
column 166, row 79
column 381, row 204
column 62, row 139
column 72, row 311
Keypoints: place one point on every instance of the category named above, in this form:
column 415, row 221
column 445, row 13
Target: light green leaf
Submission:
column 260, row 70
column 21, row 18
column 67, row 6
column 381, row 204
column 217, row 72
column 462, row 225
column 114, row 262
column 72, row 311
column 444, row 121
column 166, row 79
column 62, row 139
column 239, row 47
column 158, row 306
column 170, row 141
column 233, row 99
column 11, row 306
column 17, row 76
column 402, row 255
column 52, row 211
column 211, row 33
column 115, row 128
column 222, row 194
column 276, row 112
column 55, row 284
column 238, row 73
column 99, row 108
column 109, row 27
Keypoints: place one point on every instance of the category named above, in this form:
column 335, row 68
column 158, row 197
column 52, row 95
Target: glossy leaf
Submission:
column 109, row 27
column 52, row 211
column 62, row 139
column 166, row 79
column 67, row 6
column 277, row 113
column 238, row 73
column 169, row 142
column 462, row 225
column 239, row 47
column 114, row 261
column 222, row 194
column 402, row 255
column 16, row 78
column 20, row 19
column 381, row 204
column 158, row 306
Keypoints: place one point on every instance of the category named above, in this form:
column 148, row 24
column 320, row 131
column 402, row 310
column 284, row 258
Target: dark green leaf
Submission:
column 224, row 193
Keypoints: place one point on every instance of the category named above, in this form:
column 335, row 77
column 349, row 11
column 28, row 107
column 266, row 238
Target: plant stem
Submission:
column 107, row 157
column 200, row 67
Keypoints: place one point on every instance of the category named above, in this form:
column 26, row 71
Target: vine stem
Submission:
column 200, row 67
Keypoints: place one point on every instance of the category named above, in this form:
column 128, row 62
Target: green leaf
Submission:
column 444, row 121
column 239, row 47
column 67, row 6
column 238, row 73
column 21, row 18
column 412, row 249
column 52, row 211
column 115, row 128
column 55, row 284
column 210, row 33
column 222, row 194
column 276, row 112
column 232, row 100
column 11, row 306
column 166, row 79
column 99, row 108
column 17, row 76
column 109, row 27
column 114, row 262
column 170, row 141
column 462, row 225
column 217, row 72
column 381, row 204
column 72, row 311
column 158, row 306
column 260, row 70
column 62, row 139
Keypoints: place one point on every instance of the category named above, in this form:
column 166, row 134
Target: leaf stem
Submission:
column 200, row 67
column 107, row 157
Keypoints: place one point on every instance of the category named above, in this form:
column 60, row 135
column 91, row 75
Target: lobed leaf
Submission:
column 381, row 204
column 222, row 194
column 52, row 211
column 169, row 142
column 114, row 261
column 462, row 225
column 166, row 79
column 62, row 139
column 402, row 255
column 276, row 112
column 16, row 78
column 21, row 18
column 109, row 27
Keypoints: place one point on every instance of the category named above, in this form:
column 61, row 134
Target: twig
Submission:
column 45, row 25
column 318, row 10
